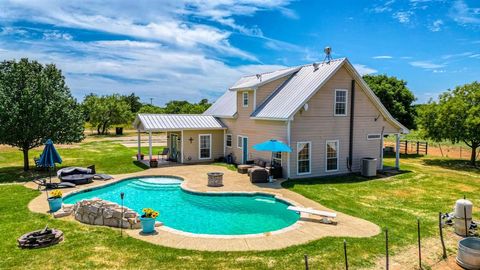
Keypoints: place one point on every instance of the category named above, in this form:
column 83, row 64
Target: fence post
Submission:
column 406, row 147
column 419, row 245
column 444, row 255
column 306, row 261
column 345, row 252
column 386, row 248
column 426, row 148
column 418, row 147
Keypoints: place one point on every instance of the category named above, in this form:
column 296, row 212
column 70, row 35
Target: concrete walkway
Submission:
column 308, row 228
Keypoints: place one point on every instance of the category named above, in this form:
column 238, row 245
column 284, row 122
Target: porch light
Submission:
column 191, row 140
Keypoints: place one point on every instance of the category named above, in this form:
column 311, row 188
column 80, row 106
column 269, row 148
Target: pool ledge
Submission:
column 306, row 229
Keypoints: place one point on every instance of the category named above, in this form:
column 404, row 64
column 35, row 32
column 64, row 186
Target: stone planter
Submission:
column 55, row 204
column 215, row 179
column 148, row 224
column 153, row 163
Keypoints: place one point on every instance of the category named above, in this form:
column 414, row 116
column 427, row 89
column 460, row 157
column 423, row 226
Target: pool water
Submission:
column 225, row 214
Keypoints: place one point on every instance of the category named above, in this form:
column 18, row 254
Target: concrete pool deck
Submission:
column 307, row 229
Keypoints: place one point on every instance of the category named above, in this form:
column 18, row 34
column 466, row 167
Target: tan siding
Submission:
column 265, row 90
column 191, row 150
column 319, row 124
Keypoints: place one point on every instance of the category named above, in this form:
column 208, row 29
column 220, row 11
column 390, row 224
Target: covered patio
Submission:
column 190, row 138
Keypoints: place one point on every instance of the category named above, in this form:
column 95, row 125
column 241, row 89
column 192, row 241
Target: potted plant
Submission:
column 153, row 163
column 55, row 200
column 147, row 220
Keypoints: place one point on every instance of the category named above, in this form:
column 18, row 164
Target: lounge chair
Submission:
column 75, row 170
column 102, row 177
column 164, row 153
column 258, row 175
column 45, row 184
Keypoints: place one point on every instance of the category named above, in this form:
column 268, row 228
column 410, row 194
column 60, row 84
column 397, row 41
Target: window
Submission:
column 340, row 103
column 373, row 137
column 303, row 157
column 228, row 140
column 277, row 159
column 239, row 141
column 205, row 146
column 332, row 156
column 245, row 99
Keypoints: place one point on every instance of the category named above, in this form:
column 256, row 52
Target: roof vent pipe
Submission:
column 315, row 66
column 328, row 55
column 259, row 77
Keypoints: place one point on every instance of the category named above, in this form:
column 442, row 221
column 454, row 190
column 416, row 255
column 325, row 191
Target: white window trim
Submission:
column 374, row 134
column 335, row 102
column 243, row 99
column 240, row 139
column 326, row 155
column 309, row 158
column 281, row 157
column 200, row 143
column 231, row 140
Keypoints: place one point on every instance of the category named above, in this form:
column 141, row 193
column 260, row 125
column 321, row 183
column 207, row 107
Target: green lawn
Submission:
column 108, row 157
column 429, row 186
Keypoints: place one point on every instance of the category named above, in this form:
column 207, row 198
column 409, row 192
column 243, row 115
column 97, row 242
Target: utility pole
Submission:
column 151, row 101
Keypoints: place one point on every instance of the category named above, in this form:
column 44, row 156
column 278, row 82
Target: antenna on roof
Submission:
column 259, row 77
column 328, row 55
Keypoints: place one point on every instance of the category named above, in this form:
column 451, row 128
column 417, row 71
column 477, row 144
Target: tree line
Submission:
column 36, row 104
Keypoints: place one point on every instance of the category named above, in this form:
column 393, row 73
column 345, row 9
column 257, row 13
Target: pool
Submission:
column 199, row 213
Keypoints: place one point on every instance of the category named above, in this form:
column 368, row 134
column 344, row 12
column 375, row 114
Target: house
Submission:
column 325, row 112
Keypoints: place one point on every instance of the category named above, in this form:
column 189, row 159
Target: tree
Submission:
column 36, row 105
column 147, row 108
column 395, row 96
column 106, row 111
column 455, row 117
column 133, row 101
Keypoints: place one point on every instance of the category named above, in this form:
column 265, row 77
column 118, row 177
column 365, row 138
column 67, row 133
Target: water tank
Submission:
column 463, row 209
column 369, row 167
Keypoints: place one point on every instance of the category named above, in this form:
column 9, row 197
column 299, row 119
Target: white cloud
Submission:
column 382, row 57
column 436, row 26
column 51, row 35
column 426, row 65
column 463, row 14
column 477, row 56
column 363, row 70
column 456, row 55
column 403, row 16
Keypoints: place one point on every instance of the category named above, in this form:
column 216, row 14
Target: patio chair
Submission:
column 47, row 185
column 259, row 175
column 164, row 153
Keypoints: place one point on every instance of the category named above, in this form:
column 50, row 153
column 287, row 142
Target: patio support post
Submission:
column 397, row 151
column 139, row 140
column 381, row 149
column 181, row 147
column 150, row 145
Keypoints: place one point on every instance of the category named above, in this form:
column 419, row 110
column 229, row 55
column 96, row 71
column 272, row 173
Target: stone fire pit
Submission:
column 215, row 179
column 40, row 238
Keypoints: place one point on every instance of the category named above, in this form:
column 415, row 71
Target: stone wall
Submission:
column 99, row 212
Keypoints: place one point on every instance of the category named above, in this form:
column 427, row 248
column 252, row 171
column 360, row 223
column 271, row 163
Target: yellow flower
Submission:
column 56, row 194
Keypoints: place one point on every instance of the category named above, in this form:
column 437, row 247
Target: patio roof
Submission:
column 176, row 122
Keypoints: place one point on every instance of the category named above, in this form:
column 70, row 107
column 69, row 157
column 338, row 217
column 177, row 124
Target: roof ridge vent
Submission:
column 259, row 77
column 328, row 55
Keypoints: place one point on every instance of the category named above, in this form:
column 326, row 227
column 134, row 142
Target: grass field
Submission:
column 427, row 187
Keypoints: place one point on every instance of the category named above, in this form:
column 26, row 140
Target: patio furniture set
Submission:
column 260, row 171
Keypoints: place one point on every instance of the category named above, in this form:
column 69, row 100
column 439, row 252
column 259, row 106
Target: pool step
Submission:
column 150, row 186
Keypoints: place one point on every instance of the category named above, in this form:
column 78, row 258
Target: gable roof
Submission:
column 175, row 122
column 225, row 106
column 251, row 81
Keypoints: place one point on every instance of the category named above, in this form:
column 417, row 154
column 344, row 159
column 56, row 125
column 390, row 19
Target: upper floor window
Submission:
column 245, row 99
column 340, row 108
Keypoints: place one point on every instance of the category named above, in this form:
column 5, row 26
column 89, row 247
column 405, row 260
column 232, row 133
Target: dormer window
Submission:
column 245, row 99
column 340, row 108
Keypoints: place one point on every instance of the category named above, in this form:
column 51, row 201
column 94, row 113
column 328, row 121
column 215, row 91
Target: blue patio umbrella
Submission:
column 272, row 146
column 49, row 157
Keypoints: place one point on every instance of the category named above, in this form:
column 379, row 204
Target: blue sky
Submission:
column 193, row 49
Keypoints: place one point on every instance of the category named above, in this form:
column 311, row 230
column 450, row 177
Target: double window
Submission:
column 340, row 108
column 303, row 157
column 245, row 99
column 205, row 146
column 331, row 158
column 228, row 140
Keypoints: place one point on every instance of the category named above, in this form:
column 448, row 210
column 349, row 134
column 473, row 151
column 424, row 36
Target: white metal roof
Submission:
column 225, row 106
column 173, row 122
column 289, row 97
column 248, row 82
